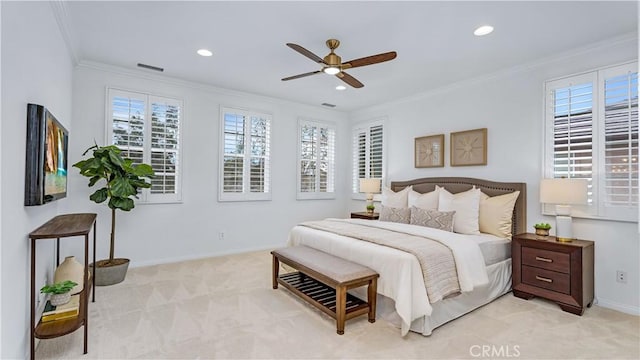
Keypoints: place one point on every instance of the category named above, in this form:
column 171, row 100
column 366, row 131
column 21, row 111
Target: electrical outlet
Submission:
column 621, row 276
column 221, row 235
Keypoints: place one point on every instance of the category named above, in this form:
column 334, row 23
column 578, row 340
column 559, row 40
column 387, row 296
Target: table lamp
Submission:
column 370, row 186
column 564, row 193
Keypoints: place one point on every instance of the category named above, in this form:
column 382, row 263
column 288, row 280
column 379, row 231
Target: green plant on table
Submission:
column 543, row 226
column 371, row 207
column 58, row 288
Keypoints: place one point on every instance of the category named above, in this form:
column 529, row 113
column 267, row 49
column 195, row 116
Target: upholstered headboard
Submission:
column 491, row 188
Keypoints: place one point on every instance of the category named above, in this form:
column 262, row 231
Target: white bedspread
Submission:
column 400, row 274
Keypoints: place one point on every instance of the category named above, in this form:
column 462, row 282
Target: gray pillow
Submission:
column 442, row 220
column 399, row 215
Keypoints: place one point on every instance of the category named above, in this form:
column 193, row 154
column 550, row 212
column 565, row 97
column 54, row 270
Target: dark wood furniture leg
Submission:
column 372, row 291
column 275, row 270
column 33, row 298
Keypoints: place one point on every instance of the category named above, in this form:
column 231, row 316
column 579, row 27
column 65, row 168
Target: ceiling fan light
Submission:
column 331, row 70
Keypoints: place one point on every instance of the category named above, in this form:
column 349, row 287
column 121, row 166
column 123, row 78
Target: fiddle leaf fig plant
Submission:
column 122, row 181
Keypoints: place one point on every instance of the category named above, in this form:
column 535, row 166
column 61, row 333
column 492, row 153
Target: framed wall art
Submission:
column 429, row 151
column 469, row 147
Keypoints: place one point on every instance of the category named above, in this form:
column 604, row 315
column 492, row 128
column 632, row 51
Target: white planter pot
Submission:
column 60, row 299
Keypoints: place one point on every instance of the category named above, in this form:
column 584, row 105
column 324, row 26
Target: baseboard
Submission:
column 135, row 264
column 633, row 310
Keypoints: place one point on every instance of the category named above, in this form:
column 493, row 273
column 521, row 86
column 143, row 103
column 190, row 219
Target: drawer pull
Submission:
column 544, row 259
column 543, row 279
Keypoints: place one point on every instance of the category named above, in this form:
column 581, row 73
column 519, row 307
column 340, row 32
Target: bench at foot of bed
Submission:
column 323, row 280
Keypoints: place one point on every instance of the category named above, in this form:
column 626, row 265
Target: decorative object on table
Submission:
column 122, row 181
column 70, row 269
column 370, row 186
column 60, row 312
column 60, row 292
column 429, row 151
column 563, row 192
column 469, row 147
column 542, row 229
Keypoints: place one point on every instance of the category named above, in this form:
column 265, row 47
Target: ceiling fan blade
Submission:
column 349, row 79
column 370, row 60
column 302, row 75
column 306, row 53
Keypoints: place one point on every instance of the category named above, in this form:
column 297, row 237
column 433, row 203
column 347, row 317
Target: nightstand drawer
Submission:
column 546, row 259
column 546, row 279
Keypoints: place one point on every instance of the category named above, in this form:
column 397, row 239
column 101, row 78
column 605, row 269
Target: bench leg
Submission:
column 341, row 305
column 276, row 271
column 372, row 293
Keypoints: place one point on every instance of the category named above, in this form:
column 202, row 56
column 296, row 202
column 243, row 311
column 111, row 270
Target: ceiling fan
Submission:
column 332, row 65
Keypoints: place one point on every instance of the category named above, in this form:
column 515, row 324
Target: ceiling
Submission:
column 434, row 41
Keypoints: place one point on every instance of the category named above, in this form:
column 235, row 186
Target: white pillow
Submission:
column 424, row 201
column 467, row 207
column 496, row 213
column 395, row 199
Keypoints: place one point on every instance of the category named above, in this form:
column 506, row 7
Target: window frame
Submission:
column 246, row 194
column 357, row 129
column 145, row 196
column 331, row 173
column 597, row 77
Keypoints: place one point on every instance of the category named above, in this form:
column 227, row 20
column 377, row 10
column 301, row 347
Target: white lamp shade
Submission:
column 370, row 185
column 563, row 191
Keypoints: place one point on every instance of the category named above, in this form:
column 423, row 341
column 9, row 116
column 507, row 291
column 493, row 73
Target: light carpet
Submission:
column 225, row 308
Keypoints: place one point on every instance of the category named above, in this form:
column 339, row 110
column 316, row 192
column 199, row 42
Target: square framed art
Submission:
column 429, row 151
column 469, row 147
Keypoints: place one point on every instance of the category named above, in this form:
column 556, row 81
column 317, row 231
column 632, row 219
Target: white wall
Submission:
column 170, row 232
column 37, row 68
column 510, row 105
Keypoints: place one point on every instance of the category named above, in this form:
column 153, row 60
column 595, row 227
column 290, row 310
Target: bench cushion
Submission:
column 338, row 269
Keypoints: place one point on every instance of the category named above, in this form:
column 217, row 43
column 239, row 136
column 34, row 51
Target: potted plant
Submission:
column 370, row 208
column 542, row 229
column 60, row 292
column 122, row 182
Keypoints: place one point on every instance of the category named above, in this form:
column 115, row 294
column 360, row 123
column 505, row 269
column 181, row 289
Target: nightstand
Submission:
column 558, row 271
column 365, row 215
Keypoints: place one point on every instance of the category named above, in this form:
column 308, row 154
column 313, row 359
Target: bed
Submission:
column 482, row 261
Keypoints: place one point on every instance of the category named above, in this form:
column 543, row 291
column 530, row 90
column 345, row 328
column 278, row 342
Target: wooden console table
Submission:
column 63, row 226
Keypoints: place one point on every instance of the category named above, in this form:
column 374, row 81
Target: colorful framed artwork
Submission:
column 469, row 147
column 429, row 151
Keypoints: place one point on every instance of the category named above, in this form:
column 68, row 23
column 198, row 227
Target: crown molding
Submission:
column 62, row 18
column 631, row 38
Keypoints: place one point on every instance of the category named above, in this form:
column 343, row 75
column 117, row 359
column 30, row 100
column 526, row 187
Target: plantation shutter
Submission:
column 368, row 153
column 316, row 159
column 165, row 145
column 592, row 133
column 246, row 156
column 127, row 125
column 259, row 160
column 620, row 108
column 147, row 130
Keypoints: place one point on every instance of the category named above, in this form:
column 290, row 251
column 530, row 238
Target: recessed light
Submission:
column 204, row 52
column 483, row 30
column 341, row 87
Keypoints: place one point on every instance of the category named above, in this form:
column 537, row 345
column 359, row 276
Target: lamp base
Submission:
column 564, row 229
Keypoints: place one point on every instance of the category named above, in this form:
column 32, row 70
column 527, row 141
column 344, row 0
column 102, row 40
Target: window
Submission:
column 368, row 153
column 147, row 130
column 245, row 155
column 591, row 125
column 316, row 149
